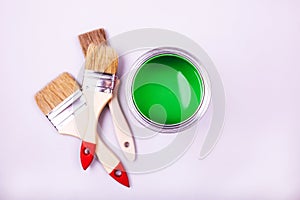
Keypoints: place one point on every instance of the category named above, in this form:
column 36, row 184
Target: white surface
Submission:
column 255, row 46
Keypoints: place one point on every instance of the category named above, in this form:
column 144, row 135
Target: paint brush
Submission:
column 65, row 106
column 122, row 129
column 98, row 84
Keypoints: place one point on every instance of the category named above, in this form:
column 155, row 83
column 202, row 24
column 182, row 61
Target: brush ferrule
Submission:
column 100, row 82
column 61, row 113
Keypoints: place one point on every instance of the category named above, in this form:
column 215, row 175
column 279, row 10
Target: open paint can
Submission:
column 168, row 90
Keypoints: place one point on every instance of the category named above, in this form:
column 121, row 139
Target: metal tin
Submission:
column 177, row 127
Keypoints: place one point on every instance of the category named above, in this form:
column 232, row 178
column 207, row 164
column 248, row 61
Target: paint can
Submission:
column 168, row 90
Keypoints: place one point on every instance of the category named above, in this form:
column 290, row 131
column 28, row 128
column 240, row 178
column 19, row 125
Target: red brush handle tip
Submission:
column 87, row 152
column 120, row 175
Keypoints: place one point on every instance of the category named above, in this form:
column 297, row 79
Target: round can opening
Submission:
column 167, row 89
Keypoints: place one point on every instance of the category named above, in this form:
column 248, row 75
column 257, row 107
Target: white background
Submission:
column 255, row 46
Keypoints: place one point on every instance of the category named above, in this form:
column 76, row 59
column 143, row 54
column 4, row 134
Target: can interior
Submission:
column 167, row 89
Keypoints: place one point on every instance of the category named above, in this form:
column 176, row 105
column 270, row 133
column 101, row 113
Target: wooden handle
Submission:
column 111, row 163
column 96, row 101
column 122, row 129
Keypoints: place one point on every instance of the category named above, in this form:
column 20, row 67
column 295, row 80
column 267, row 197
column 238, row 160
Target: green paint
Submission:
column 167, row 89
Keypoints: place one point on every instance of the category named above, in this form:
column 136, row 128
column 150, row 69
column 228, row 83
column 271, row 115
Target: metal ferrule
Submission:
column 100, row 82
column 66, row 109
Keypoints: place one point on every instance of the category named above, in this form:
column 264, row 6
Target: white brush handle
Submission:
column 76, row 126
column 96, row 101
column 122, row 129
column 108, row 159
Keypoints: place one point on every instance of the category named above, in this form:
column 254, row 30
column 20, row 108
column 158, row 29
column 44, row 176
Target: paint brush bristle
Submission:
column 97, row 37
column 101, row 58
column 56, row 92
